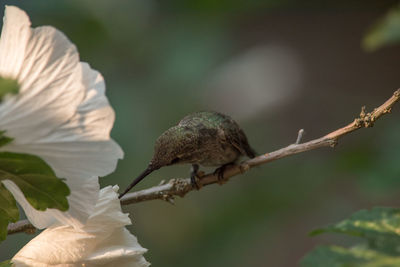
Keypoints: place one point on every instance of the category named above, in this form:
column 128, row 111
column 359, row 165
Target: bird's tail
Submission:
column 250, row 152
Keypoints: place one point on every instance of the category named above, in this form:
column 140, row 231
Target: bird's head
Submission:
column 171, row 147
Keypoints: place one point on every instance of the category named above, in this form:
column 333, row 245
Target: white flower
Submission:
column 60, row 114
column 103, row 241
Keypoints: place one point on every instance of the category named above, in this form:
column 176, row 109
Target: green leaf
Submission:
column 36, row 180
column 8, row 210
column 8, row 86
column 385, row 32
column 359, row 256
column 4, row 140
column 379, row 226
column 6, row 263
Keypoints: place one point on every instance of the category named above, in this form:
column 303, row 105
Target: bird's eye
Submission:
column 175, row 160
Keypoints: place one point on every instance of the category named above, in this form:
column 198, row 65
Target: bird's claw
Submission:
column 219, row 172
column 194, row 177
column 194, row 181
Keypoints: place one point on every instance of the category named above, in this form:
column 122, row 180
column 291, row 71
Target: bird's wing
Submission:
column 238, row 139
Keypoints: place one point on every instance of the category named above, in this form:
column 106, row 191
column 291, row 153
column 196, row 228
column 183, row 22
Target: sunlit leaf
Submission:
column 385, row 32
column 380, row 229
column 379, row 226
column 8, row 86
column 359, row 256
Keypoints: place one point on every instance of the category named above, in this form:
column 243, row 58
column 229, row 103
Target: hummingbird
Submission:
column 204, row 138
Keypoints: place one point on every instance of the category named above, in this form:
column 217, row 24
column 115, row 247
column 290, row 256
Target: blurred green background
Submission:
column 276, row 66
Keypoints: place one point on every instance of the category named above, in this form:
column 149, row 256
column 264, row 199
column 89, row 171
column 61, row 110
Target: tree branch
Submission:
column 21, row 226
column 180, row 187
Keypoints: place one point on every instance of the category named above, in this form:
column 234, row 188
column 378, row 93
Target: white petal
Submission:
column 81, row 200
column 59, row 245
column 78, row 159
column 39, row 219
column 94, row 118
column 104, row 241
column 51, row 86
column 14, row 38
column 120, row 249
column 61, row 114
column 79, row 163
column 108, row 213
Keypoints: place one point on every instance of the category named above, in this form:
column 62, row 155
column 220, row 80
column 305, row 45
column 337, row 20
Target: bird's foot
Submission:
column 194, row 177
column 195, row 182
column 219, row 172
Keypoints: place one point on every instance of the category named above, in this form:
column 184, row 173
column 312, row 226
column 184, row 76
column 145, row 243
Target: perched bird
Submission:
column 203, row 138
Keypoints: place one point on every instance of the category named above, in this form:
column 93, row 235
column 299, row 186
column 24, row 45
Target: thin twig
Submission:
column 299, row 136
column 180, row 187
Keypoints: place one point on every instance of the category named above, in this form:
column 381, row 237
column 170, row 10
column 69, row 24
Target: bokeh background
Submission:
column 276, row 66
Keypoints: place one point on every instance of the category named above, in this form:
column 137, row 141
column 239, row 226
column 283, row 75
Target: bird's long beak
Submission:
column 137, row 180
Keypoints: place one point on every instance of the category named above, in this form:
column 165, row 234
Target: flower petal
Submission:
column 14, row 37
column 50, row 79
column 120, row 249
column 61, row 114
column 94, row 118
column 79, row 163
column 82, row 195
column 104, row 241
